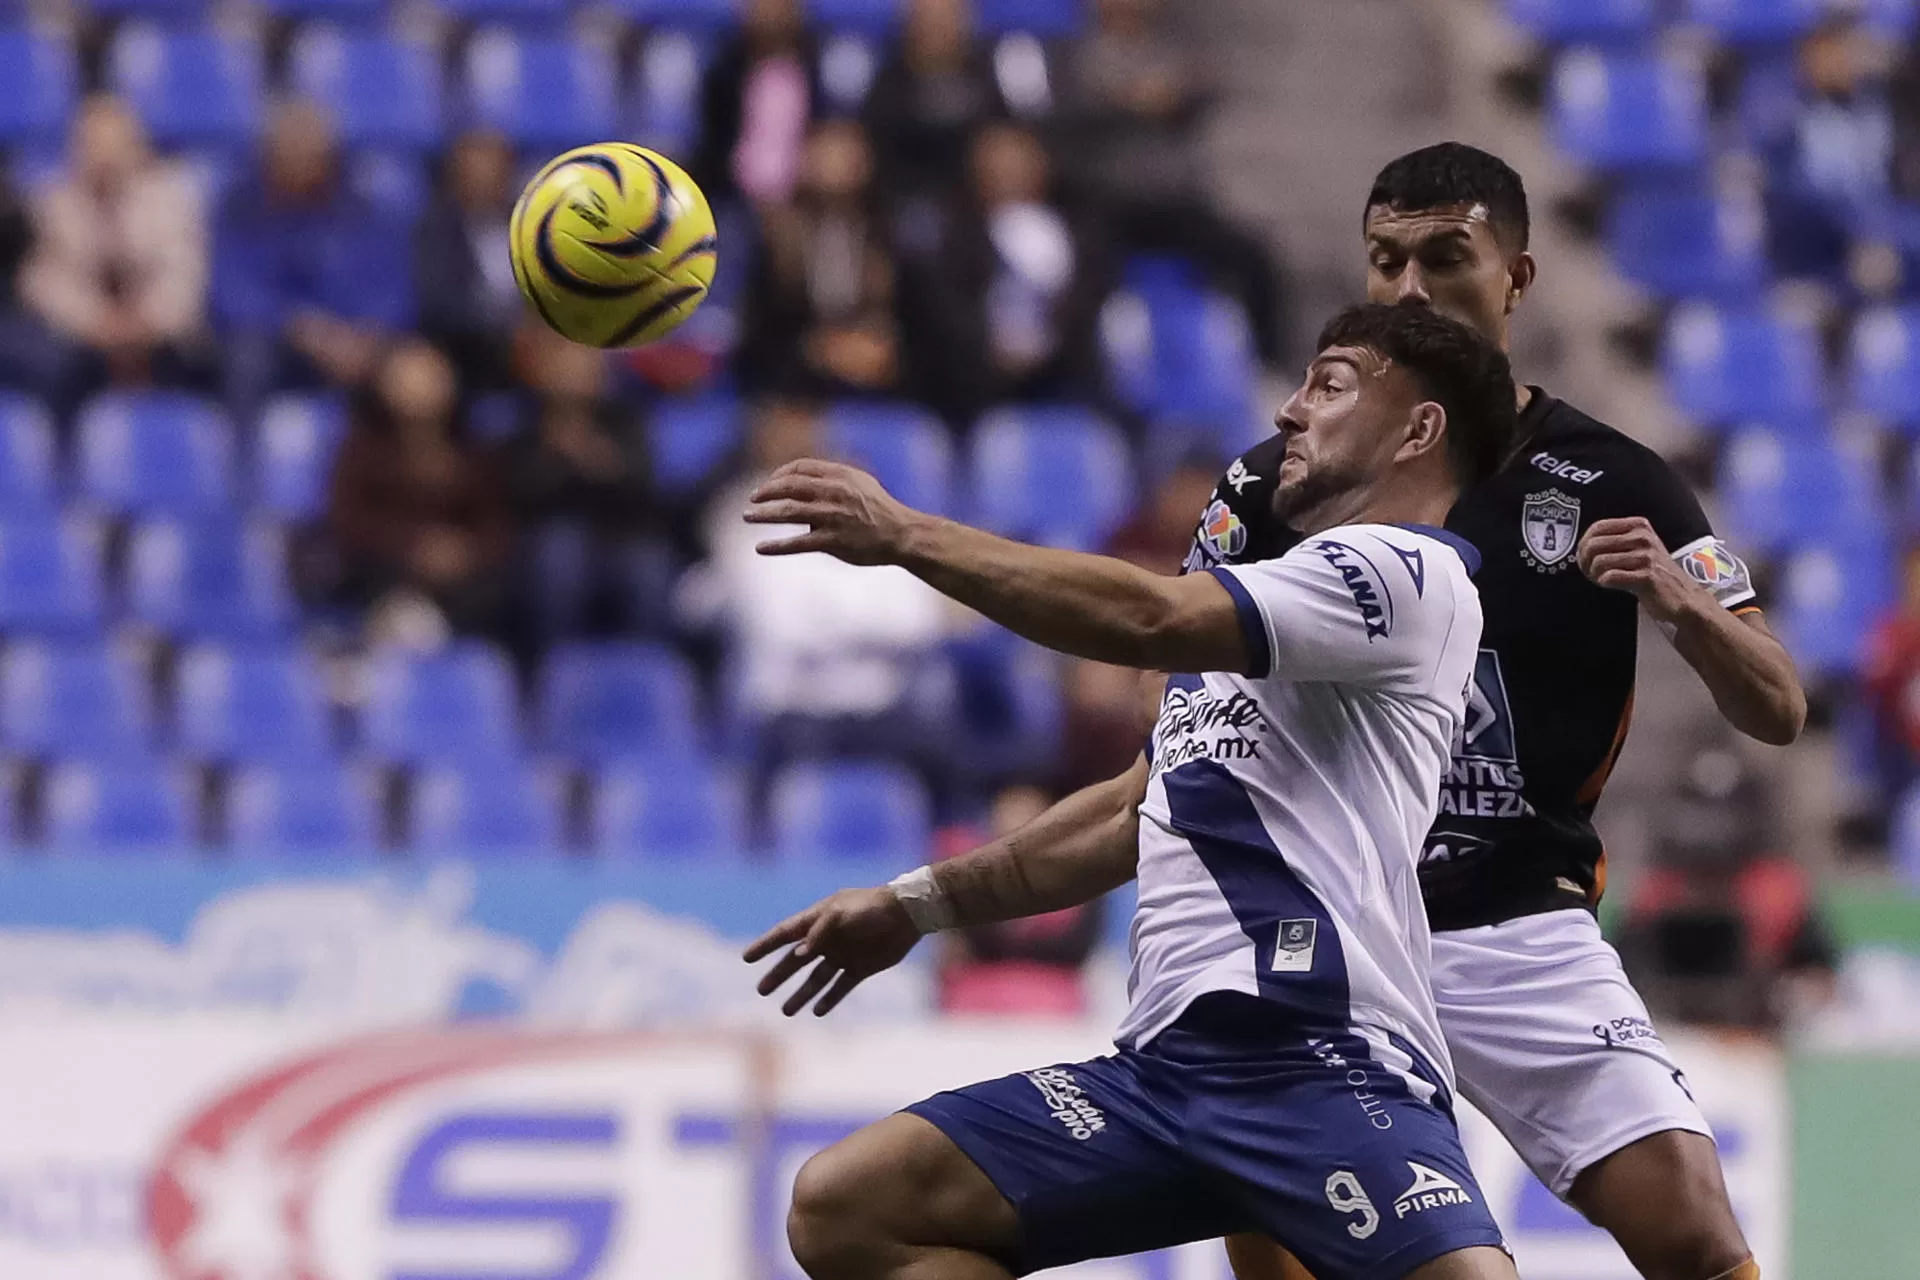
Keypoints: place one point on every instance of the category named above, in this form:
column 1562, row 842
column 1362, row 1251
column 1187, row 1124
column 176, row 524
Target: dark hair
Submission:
column 1461, row 371
column 1453, row 173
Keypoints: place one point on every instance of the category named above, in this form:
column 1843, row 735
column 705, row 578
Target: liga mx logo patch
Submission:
column 1293, row 950
column 1549, row 527
column 1221, row 532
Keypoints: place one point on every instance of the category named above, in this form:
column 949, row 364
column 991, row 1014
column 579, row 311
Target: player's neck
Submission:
column 1393, row 501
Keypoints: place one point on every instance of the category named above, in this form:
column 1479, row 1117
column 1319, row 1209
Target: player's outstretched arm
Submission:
column 1084, row 846
column 1089, row 606
column 1749, row 673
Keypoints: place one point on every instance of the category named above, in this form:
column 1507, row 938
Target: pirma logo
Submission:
column 1068, row 1102
column 1431, row 1189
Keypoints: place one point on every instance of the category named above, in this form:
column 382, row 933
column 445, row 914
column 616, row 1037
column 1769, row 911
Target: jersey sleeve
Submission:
column 1351, row 607
column 1670, row 506
column 1238, row 524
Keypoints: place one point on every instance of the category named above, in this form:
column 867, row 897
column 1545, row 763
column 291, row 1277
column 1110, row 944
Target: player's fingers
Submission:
column 1633, row 563
column 842, row 987
column 787, row 486
column 1616, row 525
column 793, row 927
column 786, row 511
column 1591, row 548
column 822, row 974
column 781, row 973
column 796, row 545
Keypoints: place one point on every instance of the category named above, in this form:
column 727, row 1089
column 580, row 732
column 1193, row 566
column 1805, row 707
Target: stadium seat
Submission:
column 29, row 468
column 156, row 453
column 691, row 437
column 1048, row 19
column 1890, row 19
column 702, row 16
column 42, row 79
column 907, row 449
column 668, row 807
column 132, row 807
column 1627, row 112
column 1181, row 356
column 251, row 703
column 1724, row 366
column 1689, row 244
column 868, row 17
column 210, row 578
column 517, row 13
column 454, row 705
column 502, row 809
column 315, row 809
column 1756, row 22
column 1884, row 365
column 338, row 12
column 544, row 92
column 842, row 809
column 293, row 455
column 51, row 579
column 193, row 88
column 1781, row 488
column 1599, row 22
column 1056, row 475
column 1829, row 597
column 73, row 699
column 381, row 92
column 606, row 702
column 664, row 110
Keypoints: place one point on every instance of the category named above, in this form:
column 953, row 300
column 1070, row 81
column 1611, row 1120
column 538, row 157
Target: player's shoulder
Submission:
column 1570, row 445
column 1409, row 566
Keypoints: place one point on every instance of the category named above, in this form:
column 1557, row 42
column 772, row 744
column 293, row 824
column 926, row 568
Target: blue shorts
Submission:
column 1209, row 1130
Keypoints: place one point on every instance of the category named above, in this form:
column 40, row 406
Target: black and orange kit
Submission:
column 1554, row 683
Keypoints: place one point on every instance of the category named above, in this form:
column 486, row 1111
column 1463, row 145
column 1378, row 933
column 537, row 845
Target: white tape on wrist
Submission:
column 926, row 903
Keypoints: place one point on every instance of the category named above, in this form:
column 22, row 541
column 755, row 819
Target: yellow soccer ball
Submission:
column 613, row 245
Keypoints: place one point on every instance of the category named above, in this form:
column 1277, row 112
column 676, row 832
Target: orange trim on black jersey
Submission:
column 1596, row 782
column 1746, row 609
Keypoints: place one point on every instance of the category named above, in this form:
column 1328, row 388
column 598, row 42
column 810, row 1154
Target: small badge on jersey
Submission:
column 1293, row 952
column 1712, row 564
column 1222, row 532
column 1549, row 527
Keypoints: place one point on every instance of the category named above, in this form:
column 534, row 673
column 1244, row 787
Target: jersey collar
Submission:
column 1468, row 553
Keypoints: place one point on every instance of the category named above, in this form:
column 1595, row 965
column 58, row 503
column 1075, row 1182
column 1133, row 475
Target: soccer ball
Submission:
column 613, row 245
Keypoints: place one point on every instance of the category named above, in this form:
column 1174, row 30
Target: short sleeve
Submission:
column 1351, row 606
column 1669, row 505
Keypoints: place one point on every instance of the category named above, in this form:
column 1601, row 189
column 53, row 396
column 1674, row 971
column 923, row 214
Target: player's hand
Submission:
column 846, row 511
column 1627, row 555
column 846, row 938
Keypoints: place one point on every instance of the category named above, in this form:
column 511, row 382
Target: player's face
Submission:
column 1343, row 427
column 1447, row 258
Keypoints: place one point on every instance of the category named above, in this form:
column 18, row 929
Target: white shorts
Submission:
column 1552, row 1043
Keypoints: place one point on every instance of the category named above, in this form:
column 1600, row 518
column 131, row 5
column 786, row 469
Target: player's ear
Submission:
column 1426, row 431
column 1520, row 274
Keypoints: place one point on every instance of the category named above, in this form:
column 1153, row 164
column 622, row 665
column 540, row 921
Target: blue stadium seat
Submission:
column 1884, row 365
column 156, row 453
column 868, row 17
column 1627, row 112
column 704, row 16
column 193, row 88
column 73, row 699
column 1602, row 22
column 1056, row 475
column 664, row 110
column 691, row 437
column 1756, row 22
column 382, row 92
column 1048, row 19
column 42, row 80
column 487, row 812
column 132, row 807
column 543, row 92
column 1783, row 488
column 1829, row 597
column 907, row 449
column 252, row 703
column 454, row 705
column 338, row 12
column 1890, row 19
column 171, row 12
column 1727, row 365
column 51, row 579
column 668, row 807
column 851, row 809
column 293, row 455
column 213, row 578
column 29, row 468
column 1689, row 244
column 518, row 13
column 1182, row 356
column 312, row 810
column 605, row 702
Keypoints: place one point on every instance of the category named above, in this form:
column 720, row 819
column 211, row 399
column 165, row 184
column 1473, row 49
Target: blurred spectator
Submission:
column 32, row 357
column 308, row 281
column 421, row 519
column 757, row 97
column 469, row 303
column 1892, row 679
column 120, row 255
column 579, row 476
column 1029, row 966
column 1006, row 305
column 1131, row 111
column 930, row 97
column 830, row 659
column 1109, row 714
column 820, row 312
column 1161, row 533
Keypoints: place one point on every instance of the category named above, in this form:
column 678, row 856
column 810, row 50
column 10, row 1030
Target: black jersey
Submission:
column 1554, row 682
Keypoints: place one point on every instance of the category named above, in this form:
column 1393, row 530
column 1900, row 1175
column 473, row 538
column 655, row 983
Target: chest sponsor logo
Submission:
column 1712, row 564
column 1572, row 472
column 1549, row 527
column 1239, row 476
column 1364, row 583
column 1484, row 779
column 1197, row 724
column 1293, row 950
column 1067, row 1102
column 1431, row 1189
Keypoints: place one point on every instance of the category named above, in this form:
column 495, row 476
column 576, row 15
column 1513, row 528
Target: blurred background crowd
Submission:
column 310, row 541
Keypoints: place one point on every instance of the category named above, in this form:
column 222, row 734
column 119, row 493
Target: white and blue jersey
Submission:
column 1283, row 819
